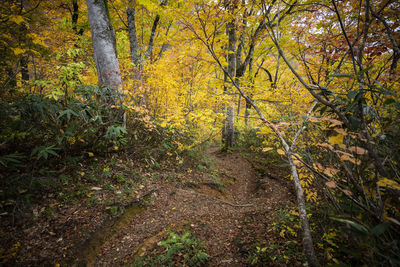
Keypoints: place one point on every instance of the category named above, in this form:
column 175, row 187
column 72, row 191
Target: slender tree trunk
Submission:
column 104, row 44
column 75, row 17
column 149, row 51
column 133, row 42
column 247, row 113
column 228, row 134
column 305, row 226
column 24, row 68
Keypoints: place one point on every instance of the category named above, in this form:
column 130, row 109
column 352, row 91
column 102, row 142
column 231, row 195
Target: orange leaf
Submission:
column 326, row 145
column 330, row 171
column 335, row 122
column 351, row 159
column 340, row 130
column 331, row 184
column 347, row 192
column 358, row 150
column 318, row 165
column 344, row 153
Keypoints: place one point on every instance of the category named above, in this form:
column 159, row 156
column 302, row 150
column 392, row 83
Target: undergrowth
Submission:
column 176, row 250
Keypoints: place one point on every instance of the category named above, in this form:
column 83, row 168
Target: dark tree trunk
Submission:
column 149, row 50
column 24, row 68
column 134, row 46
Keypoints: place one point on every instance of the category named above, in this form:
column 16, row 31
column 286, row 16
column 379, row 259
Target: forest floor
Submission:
column 231, row 215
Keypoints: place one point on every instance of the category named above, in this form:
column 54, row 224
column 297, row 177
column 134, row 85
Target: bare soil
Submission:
column 219, row 219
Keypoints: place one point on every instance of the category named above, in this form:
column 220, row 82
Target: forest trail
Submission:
column 227, row 221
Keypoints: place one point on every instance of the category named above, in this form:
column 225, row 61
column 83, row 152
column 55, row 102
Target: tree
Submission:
column 104, row 44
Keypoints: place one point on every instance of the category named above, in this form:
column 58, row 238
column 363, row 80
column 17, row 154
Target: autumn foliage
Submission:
column 270, row 61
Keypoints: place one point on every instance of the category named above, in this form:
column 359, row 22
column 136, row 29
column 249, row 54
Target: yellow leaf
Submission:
column 336, row 140
column 282, row 233
column 266, row 149
column 17, row 19
column 297, row 162
column 116, row 147
column 280, row 152
column 385, row 182
column 17, row 51
column 90, row 154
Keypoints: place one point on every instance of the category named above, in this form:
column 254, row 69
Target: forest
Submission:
column 199, row 133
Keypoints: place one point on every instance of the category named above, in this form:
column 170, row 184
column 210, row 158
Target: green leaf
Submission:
column 359, row 227
column 380, row 228
column 364, row 71
column 389, row 101
column 352, row 94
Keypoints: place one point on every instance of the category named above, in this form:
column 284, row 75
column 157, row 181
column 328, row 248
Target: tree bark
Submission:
column 75, row 17
column 149, row 50
column 24, row 68
column 104, row 44
column 133, row 42
column 228, row 135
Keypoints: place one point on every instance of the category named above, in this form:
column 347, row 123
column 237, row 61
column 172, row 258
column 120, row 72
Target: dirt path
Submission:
column 227, row 222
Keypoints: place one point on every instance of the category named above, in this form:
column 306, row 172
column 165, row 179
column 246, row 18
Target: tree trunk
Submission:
column 305, row 226
column 104, row 44
column 75, row 17
column 133, row 43
column 24, row 68
column 149, row 50
column 228, row 134
column 247, row 113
